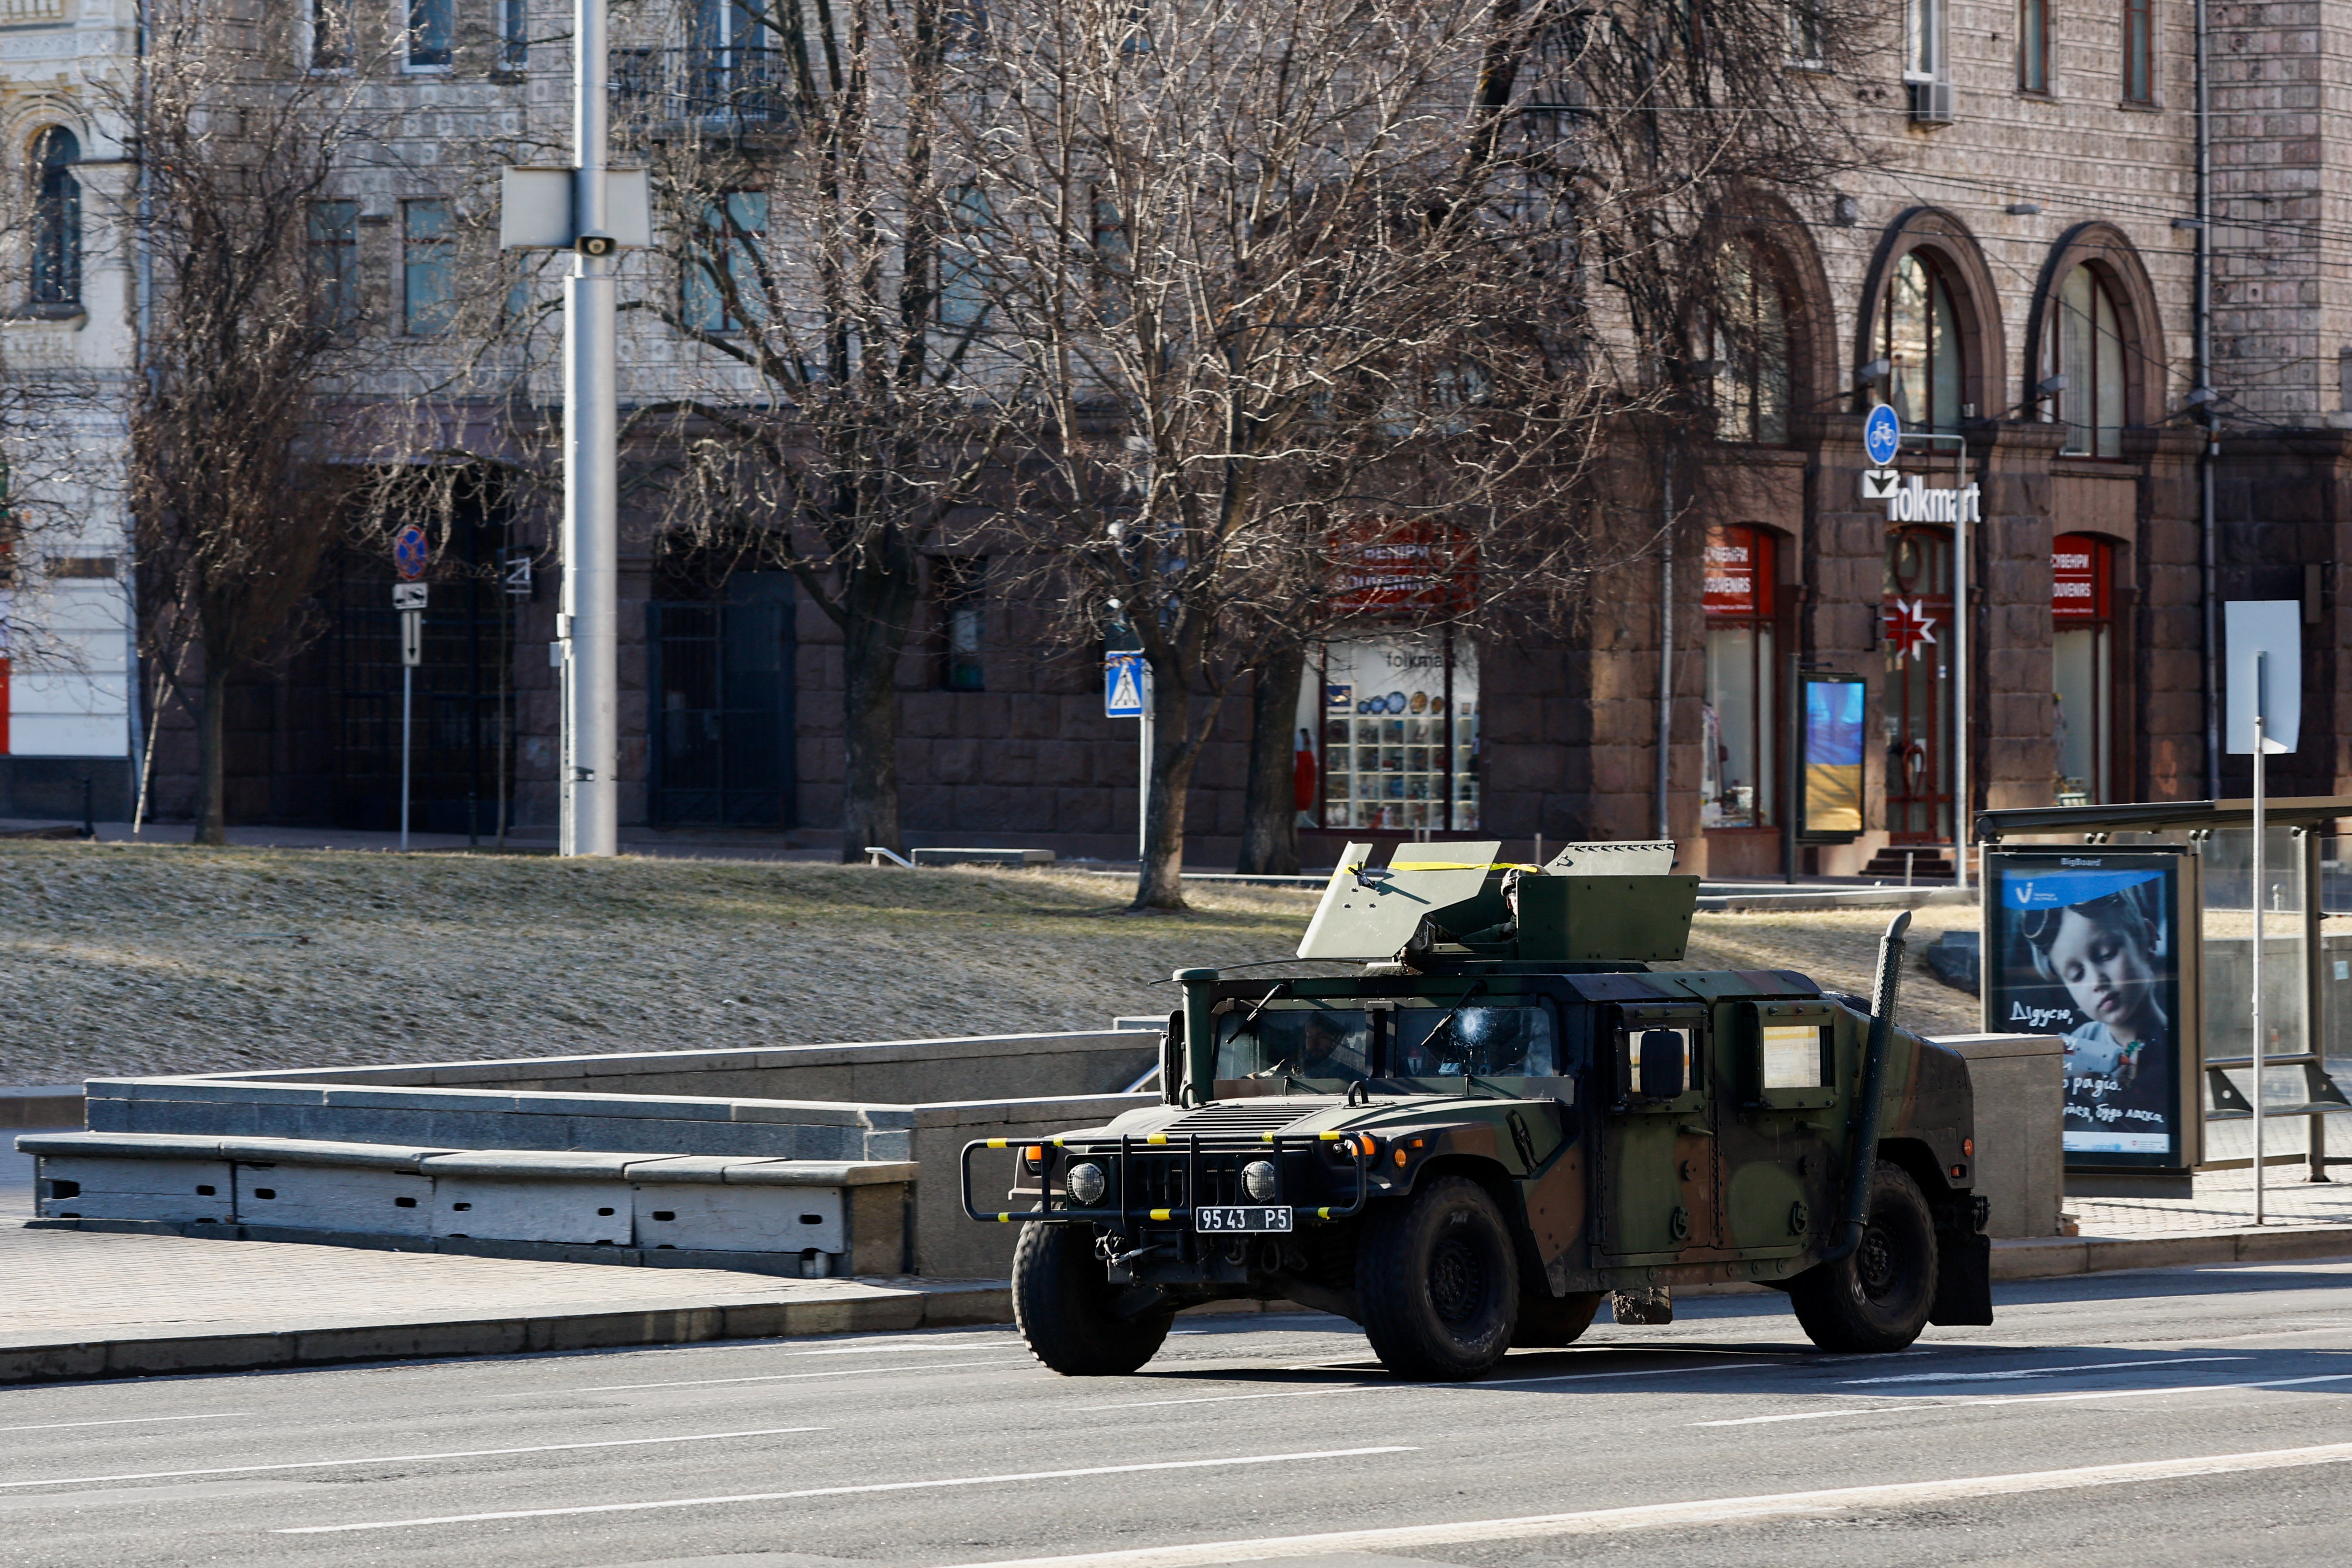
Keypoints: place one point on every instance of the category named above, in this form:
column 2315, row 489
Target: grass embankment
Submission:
column 138, row 959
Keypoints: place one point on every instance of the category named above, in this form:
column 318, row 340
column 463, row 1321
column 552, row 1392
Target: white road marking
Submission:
column 844, row 1492
column 1434, row 1387
column 2035, row 1371
column 1672, row 1515
column 797, row 1376
column 409, row 1458
column 1596, row 1376
column 1230, row 1398
column 129, row 1421
column 2029, row 1399
column 878, row 1347
column 186, row 1491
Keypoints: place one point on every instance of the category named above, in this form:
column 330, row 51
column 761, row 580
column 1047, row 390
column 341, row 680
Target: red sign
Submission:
column 1386, row 565
column 1739, row 571
column 1910, row 627
column 2078, row 578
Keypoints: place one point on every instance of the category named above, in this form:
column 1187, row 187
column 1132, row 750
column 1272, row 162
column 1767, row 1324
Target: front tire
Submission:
column 1074, row 1319
column 1877, row 1299
column 1439, row 1282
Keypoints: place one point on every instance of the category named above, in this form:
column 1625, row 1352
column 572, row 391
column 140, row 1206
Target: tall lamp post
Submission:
column 588, row 624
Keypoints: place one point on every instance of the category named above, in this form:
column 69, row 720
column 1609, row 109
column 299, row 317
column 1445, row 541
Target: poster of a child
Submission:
column 2087, row 952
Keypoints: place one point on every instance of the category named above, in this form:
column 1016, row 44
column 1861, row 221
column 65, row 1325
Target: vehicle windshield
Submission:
column 1345, row 1045
column 1296, row 1042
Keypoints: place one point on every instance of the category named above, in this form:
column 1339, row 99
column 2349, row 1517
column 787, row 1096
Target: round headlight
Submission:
column 1257, row 1180
column 1087, row 1184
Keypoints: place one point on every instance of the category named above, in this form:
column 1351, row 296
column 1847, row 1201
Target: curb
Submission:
column 957, row 1304
column 872, row 1310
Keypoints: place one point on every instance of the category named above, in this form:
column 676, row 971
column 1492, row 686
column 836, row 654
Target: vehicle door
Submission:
column 1657, row 1166
column 1779, row 1142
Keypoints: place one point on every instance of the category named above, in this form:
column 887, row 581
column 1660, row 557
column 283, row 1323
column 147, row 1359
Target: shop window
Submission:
column 2139, row 51
column 1400, row 732
column 1750, row 352
column 1918, row 335
column 2082, row 573
column 2084, row 344
column 1916, row 611
column 958, row 583
column 1738, row 721
column 57, row 218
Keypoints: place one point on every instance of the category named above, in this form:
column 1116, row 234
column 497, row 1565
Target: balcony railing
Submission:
column 715, row 89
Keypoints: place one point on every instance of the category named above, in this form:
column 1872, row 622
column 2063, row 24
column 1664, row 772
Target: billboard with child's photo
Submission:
column 2089, row 946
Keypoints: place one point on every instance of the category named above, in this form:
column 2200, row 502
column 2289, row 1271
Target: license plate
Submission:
column 1241, row 1217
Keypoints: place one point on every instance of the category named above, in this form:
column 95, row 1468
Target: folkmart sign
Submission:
column 1913, row 501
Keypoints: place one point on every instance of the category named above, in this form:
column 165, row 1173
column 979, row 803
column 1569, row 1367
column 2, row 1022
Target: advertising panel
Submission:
column 2091, row 946
column 1831, row 755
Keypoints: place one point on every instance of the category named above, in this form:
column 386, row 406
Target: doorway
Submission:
column 721, row 681
column 1917, row 621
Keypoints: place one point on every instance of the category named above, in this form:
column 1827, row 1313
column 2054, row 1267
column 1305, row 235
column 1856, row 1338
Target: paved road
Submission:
column 2192, row 1416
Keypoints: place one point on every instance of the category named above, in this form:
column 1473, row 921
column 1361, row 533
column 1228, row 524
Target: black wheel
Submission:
column 1549, row 1321
column 1877, row 1299
column 1075, row 1320
column 1438, row 1282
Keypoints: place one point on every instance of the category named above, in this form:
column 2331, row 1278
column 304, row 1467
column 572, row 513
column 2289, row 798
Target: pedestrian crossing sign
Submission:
column 1123, row 685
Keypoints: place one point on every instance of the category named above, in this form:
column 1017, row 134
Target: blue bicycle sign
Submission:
column 1882, row 434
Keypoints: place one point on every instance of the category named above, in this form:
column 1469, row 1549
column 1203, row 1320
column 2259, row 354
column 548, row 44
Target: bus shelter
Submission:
column 2160, row 1064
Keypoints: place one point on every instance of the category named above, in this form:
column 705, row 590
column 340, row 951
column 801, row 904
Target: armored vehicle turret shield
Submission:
column 1500, row 1113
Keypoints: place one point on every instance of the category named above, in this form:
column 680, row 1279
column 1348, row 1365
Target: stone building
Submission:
column 2016, row 278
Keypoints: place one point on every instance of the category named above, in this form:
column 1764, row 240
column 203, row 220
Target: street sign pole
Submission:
column 1143, row 777
column 2263, row 714
column 408, row 601
column 589, row 624
column 2262, row 672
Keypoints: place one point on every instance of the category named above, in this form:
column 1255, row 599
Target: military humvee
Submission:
column 1503, row 1115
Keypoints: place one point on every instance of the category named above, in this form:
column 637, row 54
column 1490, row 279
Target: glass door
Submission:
column 1917, row 611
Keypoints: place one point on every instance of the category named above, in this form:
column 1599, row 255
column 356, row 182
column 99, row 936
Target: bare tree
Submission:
column 1267, row 286
column 233, row 497
column 818, row 422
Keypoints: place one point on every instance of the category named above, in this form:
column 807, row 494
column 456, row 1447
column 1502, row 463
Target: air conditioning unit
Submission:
column 1931, row 103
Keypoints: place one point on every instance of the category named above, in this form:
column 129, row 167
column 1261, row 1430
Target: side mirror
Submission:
column 1662, row 1064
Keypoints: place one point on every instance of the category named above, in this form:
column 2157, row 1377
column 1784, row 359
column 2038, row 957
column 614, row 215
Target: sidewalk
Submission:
column 83, row 1304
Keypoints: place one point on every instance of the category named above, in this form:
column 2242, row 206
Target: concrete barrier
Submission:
column 816, row 1218
column 2018, row 1082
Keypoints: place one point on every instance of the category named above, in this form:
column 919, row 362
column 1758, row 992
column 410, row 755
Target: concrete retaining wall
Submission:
column 883, row 1072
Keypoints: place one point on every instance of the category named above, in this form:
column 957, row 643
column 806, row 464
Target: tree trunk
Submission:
column 1160, row 885
column 877, row 605
column 1270, row 802
column 212, row 813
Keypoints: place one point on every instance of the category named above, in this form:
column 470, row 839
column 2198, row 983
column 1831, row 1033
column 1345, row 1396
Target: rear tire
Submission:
column 1439, row 1282
column 1547, row 1322
column 1877, row 1299
column 1070, row 1313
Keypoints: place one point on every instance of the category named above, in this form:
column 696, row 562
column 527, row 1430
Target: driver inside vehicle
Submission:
column 1331, row 1045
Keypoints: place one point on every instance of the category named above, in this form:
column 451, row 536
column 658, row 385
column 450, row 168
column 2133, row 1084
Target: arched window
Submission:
column 57, row 218
column 1919, row 337
column 2084, row 342
column 1750, row 350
